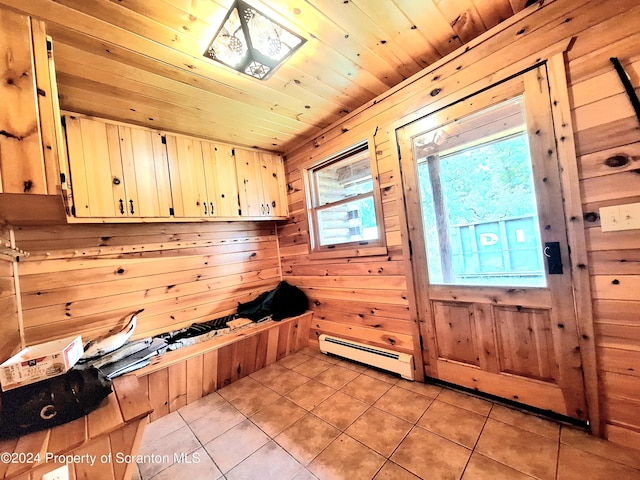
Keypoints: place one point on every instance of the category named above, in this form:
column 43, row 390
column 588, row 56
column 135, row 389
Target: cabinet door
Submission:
column 48, row 106
column 187, row 177
column 146, row 173
column 250, row 189
column 220, row 175
column 21, row 156
column 95, row 167
column 273, row 184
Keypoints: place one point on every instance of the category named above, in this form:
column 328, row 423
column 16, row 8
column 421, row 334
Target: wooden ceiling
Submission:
column 141, row 61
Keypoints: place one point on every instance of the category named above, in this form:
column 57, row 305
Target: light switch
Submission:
column 620, row 217
column 61, row 473
column 630, row 215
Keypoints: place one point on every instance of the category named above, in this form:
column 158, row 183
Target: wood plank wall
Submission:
column 364, row 299
column 88, row 278
column 367, row 298
column 9, row 323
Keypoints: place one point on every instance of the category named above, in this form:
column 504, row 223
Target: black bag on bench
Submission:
column 282, row 302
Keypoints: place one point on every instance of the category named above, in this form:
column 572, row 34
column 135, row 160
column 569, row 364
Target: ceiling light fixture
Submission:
column 251, row 43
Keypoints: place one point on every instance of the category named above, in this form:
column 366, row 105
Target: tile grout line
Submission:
column 473, row 449
column 558, row 454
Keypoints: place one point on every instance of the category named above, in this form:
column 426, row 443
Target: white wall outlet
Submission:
column 620, row 217
column 61, row 473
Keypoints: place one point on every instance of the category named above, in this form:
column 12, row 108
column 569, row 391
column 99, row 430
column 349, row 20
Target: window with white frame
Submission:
column 343, row 202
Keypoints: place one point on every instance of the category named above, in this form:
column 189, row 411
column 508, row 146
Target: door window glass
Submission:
column 478, row 200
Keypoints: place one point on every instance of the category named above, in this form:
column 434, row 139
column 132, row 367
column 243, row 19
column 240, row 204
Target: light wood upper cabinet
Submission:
column 220, row 177
column 29, row 118
column 261, row 184
column 203, row 178
column 117, row 171
column 187, row 176
column 120, row 171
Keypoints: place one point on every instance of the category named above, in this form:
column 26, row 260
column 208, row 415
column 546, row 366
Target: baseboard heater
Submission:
column 400, row 363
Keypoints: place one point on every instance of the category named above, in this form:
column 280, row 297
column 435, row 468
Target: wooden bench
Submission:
column 108, row 436
column 182, row 376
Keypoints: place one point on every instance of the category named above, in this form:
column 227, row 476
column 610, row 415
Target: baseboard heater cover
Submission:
column 400, row 363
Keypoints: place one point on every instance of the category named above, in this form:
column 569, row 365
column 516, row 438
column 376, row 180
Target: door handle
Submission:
column 212, row 209
column 554, row 258
column 121, row 207
column 131, row 205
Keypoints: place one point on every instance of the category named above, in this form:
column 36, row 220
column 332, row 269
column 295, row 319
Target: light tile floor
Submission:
column 311, row 416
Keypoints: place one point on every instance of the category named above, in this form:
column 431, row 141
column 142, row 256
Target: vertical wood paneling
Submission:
column 225, row 365
column 177, row 386
column 186, row 380
column 195, row 378
column 283, row 340
column 209, row 372
column 159, row 393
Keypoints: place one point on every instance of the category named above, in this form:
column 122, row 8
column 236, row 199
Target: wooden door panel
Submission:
column 455, row 332
column 127, row 159
column 273, row 183
column 222, row 187
column 117, row 166
column 511, row 330
column 249, row 183
column 187, row 176
column 226, row 183
column 532, row 298
column 90, row 153
column 543, row 395
column 525, row 343
column 21, row 154
column 163, row 180
column 148, row 185
column 210, row 174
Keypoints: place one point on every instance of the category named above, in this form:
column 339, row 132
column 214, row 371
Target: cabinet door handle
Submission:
column 268, row 209
column 212, row 209
column 121, row 207
column 262, row 209
column 131, row 207
column 205, row 208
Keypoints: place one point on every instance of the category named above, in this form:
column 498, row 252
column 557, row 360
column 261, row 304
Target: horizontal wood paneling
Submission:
column 604, row 126
column 141, row 61
column 88, row 278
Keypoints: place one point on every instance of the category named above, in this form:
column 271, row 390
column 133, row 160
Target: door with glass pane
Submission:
column 489, row 247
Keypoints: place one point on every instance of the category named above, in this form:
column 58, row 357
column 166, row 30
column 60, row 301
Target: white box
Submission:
column 40, row 362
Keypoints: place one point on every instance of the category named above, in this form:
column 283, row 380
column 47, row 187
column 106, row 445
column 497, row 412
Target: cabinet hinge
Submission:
column 63, row 121
column 233, row 152
column 63, row 178
column 49, row 45
column 171, row 211
column 164, row 139
column 73, row 210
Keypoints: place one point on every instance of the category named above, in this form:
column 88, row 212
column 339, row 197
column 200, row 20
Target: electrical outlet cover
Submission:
column 61, row 473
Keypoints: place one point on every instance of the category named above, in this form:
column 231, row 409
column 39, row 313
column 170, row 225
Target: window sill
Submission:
column 362, row 251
